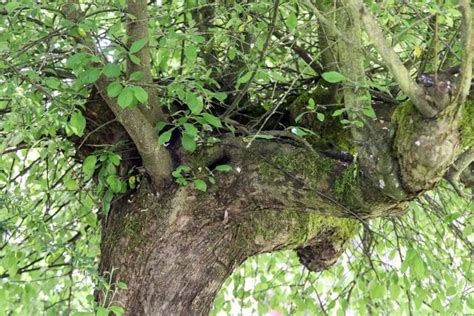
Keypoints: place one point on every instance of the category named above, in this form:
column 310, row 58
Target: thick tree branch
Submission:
column 156, row 159
column 467, row 40
column 393, row 62
column 137, row 29
column 374, row 145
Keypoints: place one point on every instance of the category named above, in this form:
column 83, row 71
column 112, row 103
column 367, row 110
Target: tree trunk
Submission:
column 175, row 250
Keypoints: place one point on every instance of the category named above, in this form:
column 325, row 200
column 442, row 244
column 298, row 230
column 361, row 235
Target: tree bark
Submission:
column 176, row 249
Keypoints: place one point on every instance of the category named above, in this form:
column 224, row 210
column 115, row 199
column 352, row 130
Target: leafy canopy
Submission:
column 49, row 204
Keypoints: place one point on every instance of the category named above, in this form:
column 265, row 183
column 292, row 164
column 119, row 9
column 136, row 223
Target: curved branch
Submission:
column 393, row 62
column 156, row 159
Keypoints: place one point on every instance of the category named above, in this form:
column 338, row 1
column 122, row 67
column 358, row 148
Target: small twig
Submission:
column 454, row 172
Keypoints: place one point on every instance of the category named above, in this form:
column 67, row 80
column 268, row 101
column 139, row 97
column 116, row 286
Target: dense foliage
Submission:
column 218, row 68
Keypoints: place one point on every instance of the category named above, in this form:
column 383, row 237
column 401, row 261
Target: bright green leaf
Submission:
column 190, row 51
column 90, row 75
column 188, row 142
column 77, row 123
column 136, row 76
column 223, row 168
column 140, row 94
column 88, row 166
column 102, row 311
column 165, row 137
column 333, row 76
column 138, row 45
column 245, row 77
column 112, row 70
column 200, row 185
column 126, row 97
column 194, row 103
column 292, row 21
column 212, row 120
column 114, row 89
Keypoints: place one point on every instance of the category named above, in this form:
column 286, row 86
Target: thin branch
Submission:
column 257, row 65
column 455, row 171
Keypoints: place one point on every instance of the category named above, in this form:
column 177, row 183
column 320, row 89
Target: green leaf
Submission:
column 190, row 129
column 136, row 75
column 77, row 123
column 223, row 168
column 188, row 142
column 122, row 285
column 300, row 116
column 338, row 112
column 221, row 96
column 88, row 166
column 212, row 120
column 90, row 75
column 320, row 116
column 245, row 77
column 183, row 168
column 333, row 76
column 159, row 126
column 134, row 59
column 52, row 83
column 117, row 310
column 165, row 137
column 311, row 104
column 231, row 54
column 377, row 291
column 359, row 124
column 190, row 51
column 194, row 103
column 71, row 184
column 140, row 94
column 138, row 45
column 298, row 131
column 102, row 311
column 112, row 70
column 369, row 111
column 114, row 89
column 292, row 21
column 77, row 61
column 114, row 183
column 126, row 97
column 200, row 185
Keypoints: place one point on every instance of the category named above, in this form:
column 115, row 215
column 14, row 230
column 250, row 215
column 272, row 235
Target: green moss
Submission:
column 133, row 228
column 404, row 116
column 111, row 239
column 294, row 228
column 346, row 188
column 330, row 133
column 312, row 166
column 466, row 125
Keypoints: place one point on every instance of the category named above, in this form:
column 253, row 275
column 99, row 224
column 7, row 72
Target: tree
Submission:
column 203, row 133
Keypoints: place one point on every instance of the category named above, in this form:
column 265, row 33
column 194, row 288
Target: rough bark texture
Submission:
column 175, row 250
